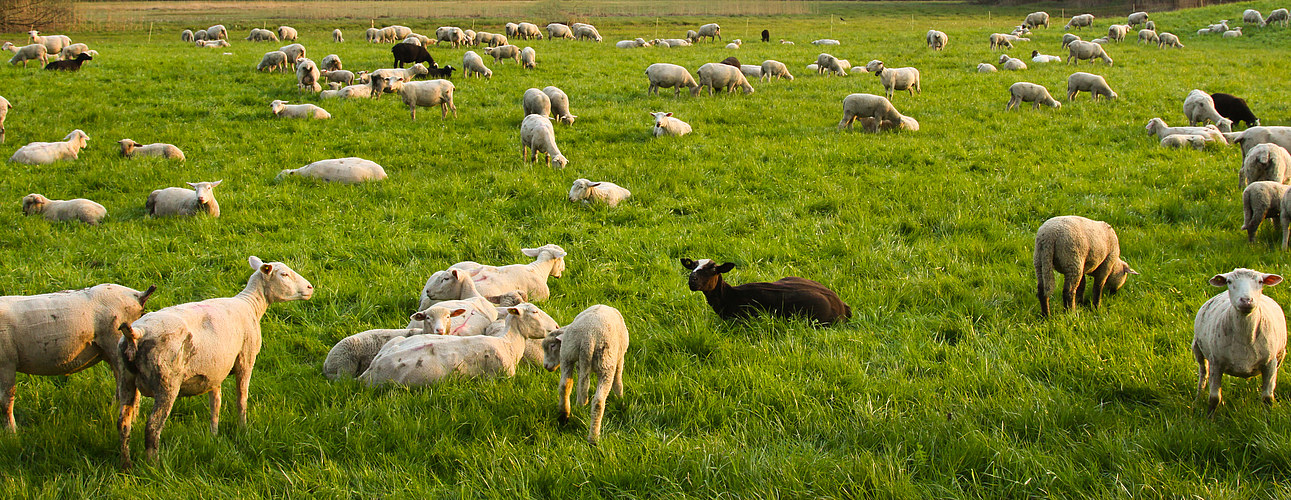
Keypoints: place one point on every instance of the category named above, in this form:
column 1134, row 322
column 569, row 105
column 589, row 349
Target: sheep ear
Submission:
column 687, row 263
column 216, row 183
column 266, row 268
column 1219, row 280
column 191, row 184
column 513, row 310
column 725, row 268
column 143, row 297
column 456, row 313
column 1129, row 269
column 668, row 114
column 254, row 261
column 594, row 184
column 1271, row 279
column 561, row 337
column 454, row 273
column 418, row 316
column 531, row 252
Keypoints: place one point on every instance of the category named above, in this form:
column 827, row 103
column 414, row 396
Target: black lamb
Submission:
column 790, row 296
column 412, row 54
column 437, row 72
column 69, row 64
column 1234, row 108
column 766, row 35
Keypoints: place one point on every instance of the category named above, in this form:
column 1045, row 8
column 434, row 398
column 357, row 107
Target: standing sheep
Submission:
column 1036, row 20
column 307, row 75
column 771, row 67
column 559, row 105
column 472, row 64
column 1136, row 18
column 427, row 94
column 1234, row 108
column 1252, row 16
column 331, row 62
column 1149, row 36
column 4, row 111
column 557, row 30
column 1075, row 247
column 44, row 153
column 937, row 40
column 527, row 31
column 1087, row 50
column 173, row 201
column 1262, row 200
column 587, row 192
column 33, row 52
column 187, row 36
column 1080, row 21
column 1265, row 162
column 665, row 124
column 350, row 357
column 503, row 52
column 1168, row 40
column 536, row 102
column 528, row 58
column 272, row 61
column 1117, row 32
column 717, row 75
column 1030, row 92
column 596, row 342
column 1199, row 107
column 537, row 134
column 287, row 33
column 664, row 75
column 1067, row 38
column 878, row 110
column 895, row 78
column 79, row 209
column 1088, row 82
column 1240, row 333
column 337, row 37
column 709, row 31
column 294, row 52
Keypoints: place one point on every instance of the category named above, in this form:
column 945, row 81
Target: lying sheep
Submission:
column 673, row 42
column 1075, row 247
column 1158, row 127
column 33, row 52
column 503, row 52
column 937, row 40
column 1233, row 33
column 826, row 41
column 1036, row 56
column 588, row 192
column 773, row 68
column 596, row 342
column 348, row 92
column 559, row 105
column 537, row 134
column 1030, row 92
column 427, row 94
column 536, row 102
column 44, row 153
column 283, row 110
column 476, row 316
column 343, row 170
column 1239, row 333
column 876, row 108
column 1199, row 107
column 79, row 209
column 670, row 76
column 174, row 201
column 528, row 58
column 1261, row 200
column 403, row 74
column 273, row 61
column 1080, row 21
column 1088, row 82
column 814, row 68
column 212, row 44
column 1012, row 63
column 717, row 75
column 986, row 68
column 331, row 62
column 1265, row 162
column 350, row 357
column 632, row 44
column 1168, row 40
column 895, row 78
column 1149, row 36
column 1100, row 40
column 1079, row 50
column 459, row 284
column 427, row 359
column 1197, row 142
column 665, row 124
column 337, row 37
column 472, row 64
column 76, row 49
column 130, row 149
column 531, row 278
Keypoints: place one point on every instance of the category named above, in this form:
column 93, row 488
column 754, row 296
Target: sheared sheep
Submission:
column 937, row 40
column 349, row 170
column 1088, row 82
column 878, row 109
column 1158, row 127
column 1168, row 40
column 1087, row 50
column 79, row 209
column 44, row 153
column 1265, row 162
column 33, row 52
column 773, row 68
column 559, row 105
column 472, row 64
column 1262, row 200
column 173, row 201
column 272, row 61
column 1030, row 92
column 1199, row 107
column 1080, row 21
column 895, row 78
column 1197, row 142
column 528, row 58
column 664, row 75
column 717, row 75
column 427, row 94
column 130, row 149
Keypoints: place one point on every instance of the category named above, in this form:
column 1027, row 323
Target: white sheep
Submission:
column 1252, row 16
column 1262, row 200
column 33, row 52
column 79, row 209
column 1000, row 40
column 557, row 30
column 1240, row 333
column 530, row 322
column 1158, row 127
column 528, row 58
column 337, row 36
column 1168, row 40
column 348, row 92
column 1088, row 82
column 130, row 149
column 217, row 32
column 352, row 355
column 200, row 35
column 666, row 124
column 373, row 35
column 261, row 35
column 212, row 44
column 895, row 78
column 287, row 33
column 1279, row 16
column 596, row 342
column 76, row 49
column 1030, row 92
column 875, row 112
column 1075, row 246
column 536, row 102
column 427, row 94
column 1036, row 56
column 1149, row 36
column 331, row 62
column 459, row 284
column 1080, row 21
column 281, row 109
column 1136, row 18
column 174, row 201
column 1067, row 38
column 349, row 170
column 186, row 36
column 503, row 52
column 1036, row 20
column 559, row 105
column 1012, row 63
column 723, row 76
column 632, row 44
column 1117, row 32
column 531, row 278
column 1199, row 107
column 53, row 43
column 773, row 68
column 826, row 41
column 478, row 313
column 1197, row 142
column 751, row 71
column 221, row 337
column 1233, row 33
column 307, row 75
column 528, row 31
column 272, row 61
column 937, row 40
column 428, row 359
column 586, row 32
column 1265, row 162
column 4, row 111
column 986, row 68
column 294, row 52
column 709, row 31
column 44, row 153
column 1257, row 135
column 537, row 134
column 472, row 64
column 403, row 74
column 664, row 75
column 588, row 192
column 340, row 77
column 1079, row 49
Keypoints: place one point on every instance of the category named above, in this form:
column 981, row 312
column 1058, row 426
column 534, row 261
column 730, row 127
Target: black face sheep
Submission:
column 1234, row 108
column 70, row 64
column 1076, row 246
column 790, row 296
column 411, row 54
column 443, row 73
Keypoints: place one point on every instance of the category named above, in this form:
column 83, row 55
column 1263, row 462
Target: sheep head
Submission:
column 281, row 283
column 33, row 204
column 1245, row 286
column 705, row 274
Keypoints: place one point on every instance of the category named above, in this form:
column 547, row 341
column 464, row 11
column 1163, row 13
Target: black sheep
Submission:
column 731, row 61
column 790, row 296
column 69, row 64
column 437, row 72
column 766, row 36
column 1234, row 108
column 412, row 54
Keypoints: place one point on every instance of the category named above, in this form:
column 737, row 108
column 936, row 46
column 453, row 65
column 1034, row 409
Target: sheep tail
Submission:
column 129, row 346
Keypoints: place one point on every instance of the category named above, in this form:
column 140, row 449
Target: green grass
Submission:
column 945, row 384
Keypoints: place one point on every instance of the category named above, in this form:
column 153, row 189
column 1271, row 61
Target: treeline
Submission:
column 23, row 15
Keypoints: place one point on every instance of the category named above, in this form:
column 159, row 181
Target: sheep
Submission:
column 402, row 74
column 76, row 49
column 895, row 78
column 348, row 92
column 79, row 209
column 1152, row 25
column 536, row 102
column 528, row 58
column 373, row 35
column 350, row 357
column 531, row 278
column 512, row 29
column 831, row 64
column 813, row 67
column 340, row 77
column 1279, row 16
column 456, row 284
column 1030, row 92
column 664, row 75
column 273, row 61
column 588, row 192
column 441, row 73
column 673, row 42
column 1036, row 20
column 826, row 41
column 428, row 359
column 281, row 109
column 69, row 65
column 1169, row 40
column 1235, row 109
column 528, row 31
column 331, row 62
column 396, row 32
column 174, row 201
column 307, row 75
column 692, row 36
column 469, row 37
column 287, row 33
column 1020, row 31
column 1000, row 40
column 504, row 52
column 1265, row 162
column 427, row 94
column 1254, row 136
column 62, row 333
column 1116, row 32
column 53, row 43
column 632, row 44
column 717, row 75
column 1261, row 200
column 260, row 35
column 1149, row 36
column 35, row 51
column 349, row 170
column 1012, row 63
column 1199, row 107
column 791, row 296
column 557, row 30
column 937, row 40
column 1088, row 82
column 1218, row 28
column 1240, row 332
column 785, row 42
column 1067, row 38
column 1233, row 33
column 1158, row 127
column 751, row 71
column 212, row 44
column 1197, row 142
column 537, row 134
column 130, row 149
column 1036, row 56
column 44, row 153
column 773, row 68
column 596, row 342
column 1087, row 50
column 665, row 124
column 1136, row 18
column 217, row 32
column 1075, row 247
column 1102, row 40
column 878, row 110
column 472, row 64
column 200, row 35
column 186, row 36
column 586, row 32
column 294, row 52
column 491, row 39
column 986, row 68
column 709, row 31
column 4, row 111
column 380, row 86
column 337, row 36
column 559, row 105
column 1080, row 21
column 189, row 349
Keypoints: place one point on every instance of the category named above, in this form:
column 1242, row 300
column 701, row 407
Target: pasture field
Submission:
column 946, row 383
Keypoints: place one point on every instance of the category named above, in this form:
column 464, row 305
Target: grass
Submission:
column 945, row 384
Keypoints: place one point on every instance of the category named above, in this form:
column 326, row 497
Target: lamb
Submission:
column 692, row 36
column 427, row 94
column 1075, row 247
column 331, row 62
column 785, row 42
column 260, row 35
column 895, row 78
column 773, row 68
column 428, row 359
column 472, row 64
column 212, row 44
column 1087, row 50
column 1116, row 32
column 1136, row 18
column 33, row 52
column 307, row 75
column 528, row 30
column 557, row 30
column 1036, row 20
column 1020, row 30
column 791, row 296
column 503, row 52
column 4, row 111
column 470, row 37
column 1088, row 82
column 287, row 33
column 273, row 61
column 348, row 92
column 337, row 37
column 1030, row 92
column 536, row 102
column 587, row 192
column 1252, row 16
column 1265, row 162
column 1217, row 29
column 531, row 278
column 1067, row 38
column 751, row 71
column 403, row 74
column 283, row 110
column 1235, row 109
column 986, row 68
column 1279, row 16
column 1158, row 126
column 1239, row 333
column 69, row 65
column 1080, row 21
column 559, row 105
column 1000, row 40
column 379, row 86
column 79, row 209
column 62, row 333
column 294, row 52
column 350, row 357
column 373, row 35
column 186, row 36
column 76, row 49
column 875, row 113
column 1199, row 107
column 670, row 76
column 1168, row 40
column 1036, row 56
column 130, row 149
column 586, row 32
column 395, row 32
column 1152, row 25
column 826, row 41
column 1149, row 36
column 709, row 31
column 717, row 75
column 349, row 170
column 340, row 77
column 937, row 40
column 596, row 342
column 44, row 153
column 834, row 65
column 665, row 124
column 189, row 349
column 1233, row 33
column 1012, row 63
column 173, row 201
column 1197, row 142
column 1100, row 40
column 537, row 134
column 814, row 68
column 1261, row 200
column 528, row 58
column 441, row 73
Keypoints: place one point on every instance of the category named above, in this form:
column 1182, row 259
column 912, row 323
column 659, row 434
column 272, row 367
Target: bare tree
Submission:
column 23, row 15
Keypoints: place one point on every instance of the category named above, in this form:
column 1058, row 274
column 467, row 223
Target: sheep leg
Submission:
column 413, row 109
column 603, row 383
column 1286, row 232
column 1069, row 290
column 584, row 382
column 163, row 401
column 562, row 393
column 1013, row 103
column 848, row 118
column 1096, row 295
column 618, row 378
column 1215, row 396
column 8, row 379
column 1044, row 287
column 1270, row 380
column 128, row 395
column 215, row 411
column 244, row 390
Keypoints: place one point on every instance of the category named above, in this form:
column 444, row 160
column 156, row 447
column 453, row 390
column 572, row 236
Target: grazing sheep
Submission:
column 537, row 134
column 373, row 35
column 531, row 278
column 528, row 30
column 512, row 29
column 186, row 36
column 751, row 71
column 586, row 32
column 340, row 77
column 283, row 110
column 4, row 111
column 1265, row 162
column 33, row 52
column 1075, row 247
column 410, row 54
column 596, row 342
column 130, row 149
column 427, row 94
column 1036, row 56
column 1012, row 63
column 350, row 170
column 986, row 68
column 1240, row 333
column 1152, row 25
column 1030, row 92
column 287, row 33
column 559, row 105
column 528, row 58
column 1279, row 16
column 833, row 65
column 1261, row 200
column 503, row 52
column 1233, row 33
column 1252, row 16
column 331, row 62
column 1080, row 21
column 692, row 36
column 773, row 68
column 785, row 42
column 664, row 75
column 491, row 39
column 937, row 40
column 1087, row 50
column 1000, row 40
column 1176, row 141
column 1199, row 107
column 217, row 32
column 709, row 31
column 1235, row 109
column 665, row 124
column 557, row 30
column 260, row 35
column 273, row 61
column 472, row 64
column 1168, row 40
column 536, row 102
column 1036, row 20
column 79, row 209
column 1117, row 32
column 402, row 74
column 895, row 78
column 879, row 112
column 441, row 73
column 1067, row 38
column 337, row 37
column 62, row 333
column 307, row 75
column 1158, row 126
column 44, row 153
column 587, row 192
column 174, row 201
column 380, row 86
column 787, row 297
column 826, row 41
column 717, row 75
column 69, row 65
column 1149, row 36
column 1088, row 82
column 294, row 52
column 189, row 349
